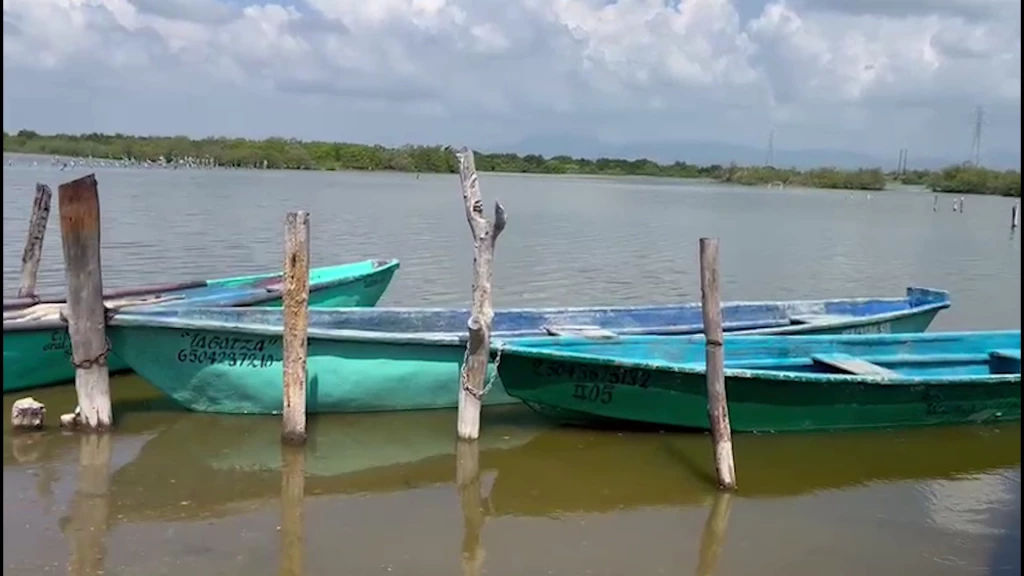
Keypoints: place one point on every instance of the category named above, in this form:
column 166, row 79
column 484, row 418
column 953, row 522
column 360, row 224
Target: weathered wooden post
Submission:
column 467, row 482
column 79, row 205
column 90, row 506
column 1015, row 215
column 478, row 349
column 34, row 243
column 293, row 489
column 718, row 408
column 296, row 319
column 713, row 538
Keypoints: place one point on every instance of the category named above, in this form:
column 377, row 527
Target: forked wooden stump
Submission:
column 478, row 350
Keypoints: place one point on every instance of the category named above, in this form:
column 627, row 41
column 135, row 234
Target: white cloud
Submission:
column 865, row 75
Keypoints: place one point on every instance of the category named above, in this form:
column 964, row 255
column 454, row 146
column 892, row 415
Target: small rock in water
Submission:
column 71, row 420
column 28, row 413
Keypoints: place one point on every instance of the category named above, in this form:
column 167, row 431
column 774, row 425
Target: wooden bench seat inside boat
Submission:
column 819, row 318
column 852, row 365
column 1004, row 361
column 595, row 332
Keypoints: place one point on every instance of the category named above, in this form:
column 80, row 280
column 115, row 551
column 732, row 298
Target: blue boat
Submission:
column 773, row 384
column 383, row 359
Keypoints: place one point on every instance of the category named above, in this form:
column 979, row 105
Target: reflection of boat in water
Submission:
column 218, row 466
column 572, row 473
column 216, row 463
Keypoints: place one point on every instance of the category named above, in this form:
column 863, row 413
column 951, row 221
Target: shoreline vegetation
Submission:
column 281, row 153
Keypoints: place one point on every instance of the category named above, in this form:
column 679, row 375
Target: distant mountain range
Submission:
column 705, row 153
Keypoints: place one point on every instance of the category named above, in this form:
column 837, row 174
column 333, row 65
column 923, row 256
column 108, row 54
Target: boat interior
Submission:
column 681, row 319
column 889, row 356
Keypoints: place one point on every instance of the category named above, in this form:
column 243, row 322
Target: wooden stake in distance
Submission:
column 485, row 236
column 79, row 205
column 34, row 243
column 718, row 408
column 296, row 320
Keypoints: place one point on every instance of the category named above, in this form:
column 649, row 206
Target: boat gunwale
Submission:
column 151, row 317
column 247, row 297
column 523, row 348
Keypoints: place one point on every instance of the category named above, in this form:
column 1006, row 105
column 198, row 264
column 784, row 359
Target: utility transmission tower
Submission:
column 979, row 124
column 770, row 159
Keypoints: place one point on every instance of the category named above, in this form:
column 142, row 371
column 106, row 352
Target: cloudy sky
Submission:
column 861, row 75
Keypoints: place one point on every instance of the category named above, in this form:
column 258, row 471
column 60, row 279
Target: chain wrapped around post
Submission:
column 479, row 394
column 97, row 360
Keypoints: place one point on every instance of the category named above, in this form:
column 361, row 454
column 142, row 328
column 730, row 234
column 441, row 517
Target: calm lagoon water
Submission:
column 178, row 493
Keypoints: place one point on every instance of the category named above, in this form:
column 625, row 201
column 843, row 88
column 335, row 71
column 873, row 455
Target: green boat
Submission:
column 383, row 359
column 37, row 348
column 773, row 383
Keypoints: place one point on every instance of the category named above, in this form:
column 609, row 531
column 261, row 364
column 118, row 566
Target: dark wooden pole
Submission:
column 34, row 243
column 718, row 408
column 79, row 205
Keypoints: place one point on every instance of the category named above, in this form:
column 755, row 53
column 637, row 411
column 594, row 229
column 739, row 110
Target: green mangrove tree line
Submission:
column 281, row 153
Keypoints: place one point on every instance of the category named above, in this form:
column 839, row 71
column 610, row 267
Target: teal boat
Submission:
column 383, row 359
column 773, row 384
column 36, row 345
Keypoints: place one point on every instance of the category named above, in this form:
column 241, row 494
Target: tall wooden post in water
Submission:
column 79, row 205
column 34, row 243
column 718, row 408
column 478, row 350
column 296, row 321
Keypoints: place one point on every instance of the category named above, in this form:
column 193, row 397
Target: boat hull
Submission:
column 40, row 356
column 583, row 387
column 380, row 359
column 235, row 373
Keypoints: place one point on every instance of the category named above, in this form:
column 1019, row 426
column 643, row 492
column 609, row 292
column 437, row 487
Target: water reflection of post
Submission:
column 467, row 481
column 293, row 488
column 90, row 506
column 712, row 540
column 37, row 448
